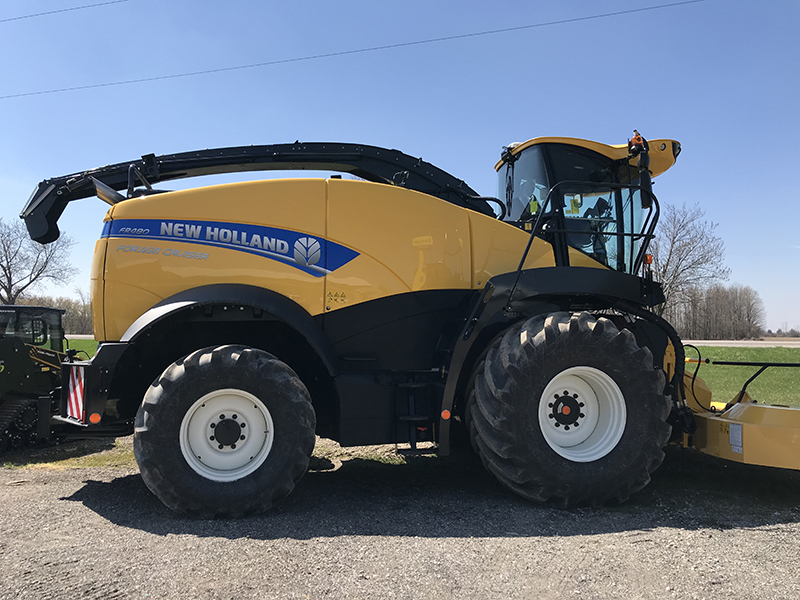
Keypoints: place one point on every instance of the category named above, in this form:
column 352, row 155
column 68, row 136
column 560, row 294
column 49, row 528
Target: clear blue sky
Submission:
column 720, row 76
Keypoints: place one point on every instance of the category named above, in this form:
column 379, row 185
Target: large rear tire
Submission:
column 224, row 432
column 569, row 410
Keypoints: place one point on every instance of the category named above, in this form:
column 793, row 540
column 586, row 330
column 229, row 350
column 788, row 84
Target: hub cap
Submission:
column 582, row 414
column 226, row 435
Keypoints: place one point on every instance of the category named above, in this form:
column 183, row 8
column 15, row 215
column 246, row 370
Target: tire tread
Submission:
column 498, row 406
column 149, row 445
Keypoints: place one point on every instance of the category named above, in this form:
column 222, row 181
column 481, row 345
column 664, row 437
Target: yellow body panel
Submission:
column 497, row 248
column 393, row 241
column 661, row 153
column 161, row 269
column 753, row 434
column 124, row 303
column 407, row 241
column 96, row 283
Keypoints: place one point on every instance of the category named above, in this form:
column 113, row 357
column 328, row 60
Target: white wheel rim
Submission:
column 226, row 435
column 582, row 414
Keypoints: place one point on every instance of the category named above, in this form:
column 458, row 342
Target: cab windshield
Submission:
column 593, row 200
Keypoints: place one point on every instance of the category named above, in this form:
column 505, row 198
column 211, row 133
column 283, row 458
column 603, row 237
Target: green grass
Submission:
column 777, row 385
column 88, row 346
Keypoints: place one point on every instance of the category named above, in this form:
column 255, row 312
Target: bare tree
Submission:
column 686, row 253
column 77, row 319
column 688, row 260
column 751, row 317
column 82, row 313
column 25, row 265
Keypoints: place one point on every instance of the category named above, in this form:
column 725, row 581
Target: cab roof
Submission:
column 663, row 152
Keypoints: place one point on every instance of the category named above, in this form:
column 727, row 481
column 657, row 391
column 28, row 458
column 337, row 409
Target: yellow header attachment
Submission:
column 663, row 153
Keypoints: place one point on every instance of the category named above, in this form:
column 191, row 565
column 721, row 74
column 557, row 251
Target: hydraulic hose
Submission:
column 676, row 385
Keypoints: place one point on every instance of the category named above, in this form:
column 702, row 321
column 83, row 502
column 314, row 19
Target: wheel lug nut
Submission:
column 222, row 417
column 211, row 438
column 241, row 437
column 244, row 425
column 233, row 446
column 235, row 417
column 221, row 446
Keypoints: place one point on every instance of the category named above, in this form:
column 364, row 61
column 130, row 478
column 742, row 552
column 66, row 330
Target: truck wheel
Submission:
column 224, row 432
column 569, row 410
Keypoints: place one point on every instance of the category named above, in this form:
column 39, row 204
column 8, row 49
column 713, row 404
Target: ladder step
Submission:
column 417, row 451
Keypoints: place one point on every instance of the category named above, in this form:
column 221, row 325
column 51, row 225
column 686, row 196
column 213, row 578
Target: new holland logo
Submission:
column 307, row 251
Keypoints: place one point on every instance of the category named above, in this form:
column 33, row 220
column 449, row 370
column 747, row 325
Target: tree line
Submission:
column 717, row 312
column 77, row 319
column 688, row 260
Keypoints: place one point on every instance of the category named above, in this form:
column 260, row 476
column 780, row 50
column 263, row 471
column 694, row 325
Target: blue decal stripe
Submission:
column 315, row 256
column 311, row 270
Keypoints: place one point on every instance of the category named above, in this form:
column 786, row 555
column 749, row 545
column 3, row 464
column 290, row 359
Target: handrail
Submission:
column 763, row 367
column 646, row 233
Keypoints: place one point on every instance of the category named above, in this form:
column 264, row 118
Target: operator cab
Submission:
column 34, row 325
column 585, row 195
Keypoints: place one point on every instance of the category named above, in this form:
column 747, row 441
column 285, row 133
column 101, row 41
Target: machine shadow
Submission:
column 456, row 497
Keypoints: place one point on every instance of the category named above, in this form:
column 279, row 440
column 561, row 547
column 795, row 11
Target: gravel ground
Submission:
column 357, row 527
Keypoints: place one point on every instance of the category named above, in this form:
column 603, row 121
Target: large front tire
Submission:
column 569, row 410
column 224, row 432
